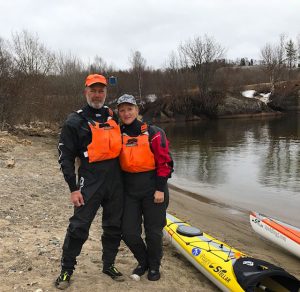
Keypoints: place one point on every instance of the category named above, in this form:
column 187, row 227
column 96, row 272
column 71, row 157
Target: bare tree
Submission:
column 68, row 64
column 273, row 57
column 177, row 77
column 201, row 53
column 173, row 62
column 99, row 65
column 5, row 60
column 5, row 74
column 70, row 71
column 138, row 65
column 172, row 83
column 30, row 56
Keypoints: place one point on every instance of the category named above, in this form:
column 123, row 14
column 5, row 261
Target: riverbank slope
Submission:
column 34, row 215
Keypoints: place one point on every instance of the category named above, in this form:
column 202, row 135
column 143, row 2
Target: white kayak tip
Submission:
column 135, row 277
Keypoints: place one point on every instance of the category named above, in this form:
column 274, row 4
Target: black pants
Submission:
column 139, row 207
column 101, row 186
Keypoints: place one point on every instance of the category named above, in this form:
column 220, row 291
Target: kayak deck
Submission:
column 225, row 266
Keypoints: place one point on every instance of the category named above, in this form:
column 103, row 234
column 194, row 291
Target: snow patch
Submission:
column 249, row 93
column 151, row 97
column 264, row 97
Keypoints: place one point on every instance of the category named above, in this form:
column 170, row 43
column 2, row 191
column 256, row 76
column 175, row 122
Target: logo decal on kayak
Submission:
column 220, row 271
column 248, row 263
column 196, row 251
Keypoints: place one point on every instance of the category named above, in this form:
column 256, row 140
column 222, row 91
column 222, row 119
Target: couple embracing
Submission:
column 123, row 169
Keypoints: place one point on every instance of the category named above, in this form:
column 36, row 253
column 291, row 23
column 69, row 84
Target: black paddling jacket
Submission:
column 74, row 139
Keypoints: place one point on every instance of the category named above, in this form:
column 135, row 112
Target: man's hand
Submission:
column 77, row 199
column 159, row 197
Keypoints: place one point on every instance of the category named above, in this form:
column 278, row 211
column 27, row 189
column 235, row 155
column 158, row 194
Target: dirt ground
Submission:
column 34, row 214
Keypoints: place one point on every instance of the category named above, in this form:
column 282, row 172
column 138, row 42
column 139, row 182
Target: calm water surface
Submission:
column 253, row 164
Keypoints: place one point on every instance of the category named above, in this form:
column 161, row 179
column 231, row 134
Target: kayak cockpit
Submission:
column 258, row 275
column 188, row 231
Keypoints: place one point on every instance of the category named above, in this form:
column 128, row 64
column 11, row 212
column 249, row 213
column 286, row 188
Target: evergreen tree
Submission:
column 291, row 53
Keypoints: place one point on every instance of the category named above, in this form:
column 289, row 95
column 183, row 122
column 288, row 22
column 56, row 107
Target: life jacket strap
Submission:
column 144, row 128
column 110, row 112
column 90, row 120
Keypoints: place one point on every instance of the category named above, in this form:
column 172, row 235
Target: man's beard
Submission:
column 95, row 105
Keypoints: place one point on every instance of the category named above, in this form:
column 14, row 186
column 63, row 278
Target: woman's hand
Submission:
column 159, row 197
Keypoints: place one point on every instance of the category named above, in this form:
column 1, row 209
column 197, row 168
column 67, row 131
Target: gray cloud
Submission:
column 111, row 29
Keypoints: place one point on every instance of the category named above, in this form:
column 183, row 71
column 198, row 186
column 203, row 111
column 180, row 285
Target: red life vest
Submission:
column 136, row 154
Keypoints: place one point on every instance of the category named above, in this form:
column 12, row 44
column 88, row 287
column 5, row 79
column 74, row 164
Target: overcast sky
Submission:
column 112, row 29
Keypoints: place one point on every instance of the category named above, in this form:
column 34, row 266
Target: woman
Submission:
column 147, row 165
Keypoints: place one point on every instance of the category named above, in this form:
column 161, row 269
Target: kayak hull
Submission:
column 197, row 265
column 280, row 233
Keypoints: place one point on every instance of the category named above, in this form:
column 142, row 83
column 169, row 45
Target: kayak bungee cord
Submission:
column 208, row 241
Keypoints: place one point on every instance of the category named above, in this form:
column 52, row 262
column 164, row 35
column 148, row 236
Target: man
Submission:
column 93, row 135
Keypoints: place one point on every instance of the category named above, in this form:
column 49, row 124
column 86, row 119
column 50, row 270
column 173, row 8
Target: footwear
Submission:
column 139, row 271
column 153, row 275
column 114, row 273
column 63, row 281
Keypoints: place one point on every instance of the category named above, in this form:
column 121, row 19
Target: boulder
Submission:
column 286, row 96
column 237, row 105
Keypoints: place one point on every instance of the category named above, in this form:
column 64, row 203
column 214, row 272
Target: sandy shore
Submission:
column 34, row 213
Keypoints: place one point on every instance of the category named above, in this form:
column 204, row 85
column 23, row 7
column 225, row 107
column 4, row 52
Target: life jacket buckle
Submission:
column 131, row 142
column 106, row 126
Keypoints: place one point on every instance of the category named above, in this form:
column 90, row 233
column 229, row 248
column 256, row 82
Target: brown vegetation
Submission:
column 37, row 84
column 286, row 96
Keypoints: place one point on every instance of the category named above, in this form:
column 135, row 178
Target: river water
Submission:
column 249, row 164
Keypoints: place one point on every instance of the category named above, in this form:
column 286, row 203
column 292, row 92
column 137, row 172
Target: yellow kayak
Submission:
column 228, row 268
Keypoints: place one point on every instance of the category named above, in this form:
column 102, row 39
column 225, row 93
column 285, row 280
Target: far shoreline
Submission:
column 241, row 116
column 207, row 200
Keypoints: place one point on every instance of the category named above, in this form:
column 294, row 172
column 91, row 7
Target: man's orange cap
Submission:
column 95, row 78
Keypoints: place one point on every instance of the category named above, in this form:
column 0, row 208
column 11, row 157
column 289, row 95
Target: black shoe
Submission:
column 114, row 273
column 153, row 275
column 140, row 270
column 63, row 281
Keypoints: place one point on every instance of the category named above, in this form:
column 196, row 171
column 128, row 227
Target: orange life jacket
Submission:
column 106, row 141
column 136, row 154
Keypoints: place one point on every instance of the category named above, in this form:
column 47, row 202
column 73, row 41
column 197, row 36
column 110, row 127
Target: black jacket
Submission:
column 74, row 139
